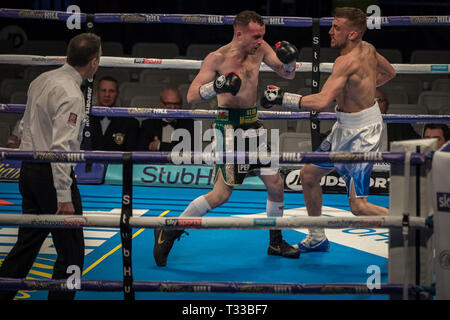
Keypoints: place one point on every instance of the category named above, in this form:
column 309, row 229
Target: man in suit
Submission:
column 439, row 131
column 155, row 134
column 115, row 133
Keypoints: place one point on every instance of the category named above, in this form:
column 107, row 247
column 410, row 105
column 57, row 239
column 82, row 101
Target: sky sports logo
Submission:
column 443, row 201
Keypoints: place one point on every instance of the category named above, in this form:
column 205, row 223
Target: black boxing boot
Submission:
column 164, row 240
column 279, row 247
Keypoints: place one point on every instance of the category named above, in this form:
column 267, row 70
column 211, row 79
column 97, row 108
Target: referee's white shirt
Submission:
column 54, row 120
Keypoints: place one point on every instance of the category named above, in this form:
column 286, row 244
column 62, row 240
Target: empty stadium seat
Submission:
column 128, row 90
column 430, row 56
column 396, row 95
column 444, row 110
column 441, row 85
column 112, row 49
column 330, row 54
column 198, row 51
column 409, row 109
column 4, row 134
column 392, row 55
column 280, row 125
column 11, row 71
column 411, row 86
column 155, row 50
column 295, row 142
column 18, row 97
column 433, row 100
column 9, row 86
column 6, row 47
column 145, row 102
column 398, row 108
column 31, row 73
column 120, row 74
column 43, row 48
column 168, row 77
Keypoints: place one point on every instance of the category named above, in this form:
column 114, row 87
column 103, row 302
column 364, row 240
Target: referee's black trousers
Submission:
column 39, row 197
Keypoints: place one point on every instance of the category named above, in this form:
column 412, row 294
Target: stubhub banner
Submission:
column 174, row 176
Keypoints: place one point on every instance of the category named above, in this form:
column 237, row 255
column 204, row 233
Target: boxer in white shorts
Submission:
column 354, row 132
column 355, row 76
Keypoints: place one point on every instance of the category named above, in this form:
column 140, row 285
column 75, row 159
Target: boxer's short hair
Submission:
column 245, row 17
column 356, row 16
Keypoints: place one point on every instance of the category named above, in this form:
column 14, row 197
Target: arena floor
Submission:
column 209, row 255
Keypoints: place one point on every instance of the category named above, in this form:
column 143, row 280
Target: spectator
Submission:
column 115, row 133
column 15, row 136
column 156, row 134
column 439, row 131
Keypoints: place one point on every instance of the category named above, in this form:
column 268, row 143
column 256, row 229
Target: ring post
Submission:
column 441, row 203
column 315, row 82
column 405, row 233
column 403, row 186
column 125, row 229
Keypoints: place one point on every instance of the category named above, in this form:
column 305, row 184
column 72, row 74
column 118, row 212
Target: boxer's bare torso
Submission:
column 244, row 58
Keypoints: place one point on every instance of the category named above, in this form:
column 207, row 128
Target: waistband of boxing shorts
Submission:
column 236, row 116
column 359, row 119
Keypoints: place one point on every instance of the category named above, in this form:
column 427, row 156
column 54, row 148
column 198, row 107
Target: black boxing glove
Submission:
column 288, row 54
column 274, row 95
column 227, row 83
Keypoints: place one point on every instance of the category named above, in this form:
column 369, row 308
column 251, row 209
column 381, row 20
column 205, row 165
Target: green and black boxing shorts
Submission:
column 252, row 135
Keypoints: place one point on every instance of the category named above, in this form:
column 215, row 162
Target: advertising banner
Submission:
column 203, row 177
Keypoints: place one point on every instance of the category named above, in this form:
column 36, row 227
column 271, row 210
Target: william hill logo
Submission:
column 443, row 201
column 8, row 172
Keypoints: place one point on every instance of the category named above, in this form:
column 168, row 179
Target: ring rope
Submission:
column 208, row 286
column 146, row 157
column 196, row 19
column 156, row 63
column 158, row 113
column 76, row 221
column 204, row 19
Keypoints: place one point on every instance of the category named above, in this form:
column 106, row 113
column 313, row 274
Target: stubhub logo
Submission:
column 443, row 201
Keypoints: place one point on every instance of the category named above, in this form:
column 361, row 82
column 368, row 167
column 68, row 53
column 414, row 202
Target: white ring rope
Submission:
column 76, row 221
column 155, row 63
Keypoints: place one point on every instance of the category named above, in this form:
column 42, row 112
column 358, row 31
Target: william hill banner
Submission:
column 10, row 171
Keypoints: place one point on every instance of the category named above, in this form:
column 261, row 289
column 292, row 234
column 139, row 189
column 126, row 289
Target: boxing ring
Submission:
column 129, row 252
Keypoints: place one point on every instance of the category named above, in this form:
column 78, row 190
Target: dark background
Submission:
column 405, row 39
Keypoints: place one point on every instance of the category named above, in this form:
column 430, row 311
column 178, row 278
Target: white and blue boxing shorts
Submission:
column 354, row 132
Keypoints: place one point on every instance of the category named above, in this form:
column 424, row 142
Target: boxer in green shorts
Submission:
column 233, row 174
column 231, row 73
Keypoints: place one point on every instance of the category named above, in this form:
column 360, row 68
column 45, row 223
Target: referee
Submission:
column 53, row 121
